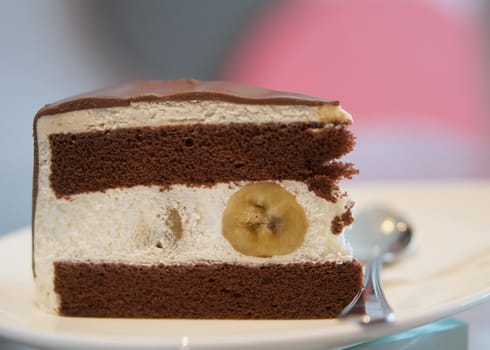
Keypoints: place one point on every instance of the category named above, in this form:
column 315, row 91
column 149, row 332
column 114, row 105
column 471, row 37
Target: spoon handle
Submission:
column 376, row 305
column 371, row 301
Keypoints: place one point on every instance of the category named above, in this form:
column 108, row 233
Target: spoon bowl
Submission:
column 380, row 230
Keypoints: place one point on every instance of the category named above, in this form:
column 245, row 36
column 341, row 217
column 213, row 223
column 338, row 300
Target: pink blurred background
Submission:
column 413, row 73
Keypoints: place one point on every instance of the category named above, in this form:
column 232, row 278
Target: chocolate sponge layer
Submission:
column 200, row 154
column 203, row 290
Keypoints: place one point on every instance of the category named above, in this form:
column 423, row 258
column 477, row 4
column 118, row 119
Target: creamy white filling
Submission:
column 186, row 112
column 128, row 224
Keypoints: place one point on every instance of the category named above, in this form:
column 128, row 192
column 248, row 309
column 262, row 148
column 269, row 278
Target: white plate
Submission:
column 449, row 218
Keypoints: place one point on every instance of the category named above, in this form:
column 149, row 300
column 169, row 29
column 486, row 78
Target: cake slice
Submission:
column 188, row 199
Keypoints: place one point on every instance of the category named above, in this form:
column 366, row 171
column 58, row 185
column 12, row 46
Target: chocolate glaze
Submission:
column 199, row 155
column 207, row 290
column 183, row 90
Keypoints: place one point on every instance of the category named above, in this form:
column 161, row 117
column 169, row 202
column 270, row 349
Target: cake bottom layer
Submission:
column 207, row 290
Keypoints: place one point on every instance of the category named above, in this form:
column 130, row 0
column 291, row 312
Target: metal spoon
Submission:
column 378, row 235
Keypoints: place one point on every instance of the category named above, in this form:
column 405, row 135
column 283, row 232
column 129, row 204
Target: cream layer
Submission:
column 162, row 113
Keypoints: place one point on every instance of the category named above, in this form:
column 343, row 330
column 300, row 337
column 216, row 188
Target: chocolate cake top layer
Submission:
column 200, row 155
column 179, row 90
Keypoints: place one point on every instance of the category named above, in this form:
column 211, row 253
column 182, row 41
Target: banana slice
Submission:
column 174, row 222
column 264, row 219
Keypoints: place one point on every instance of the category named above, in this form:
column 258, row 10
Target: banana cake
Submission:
column 189, row 199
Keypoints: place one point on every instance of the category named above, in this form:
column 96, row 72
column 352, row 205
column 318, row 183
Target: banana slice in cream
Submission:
column 264, row 219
